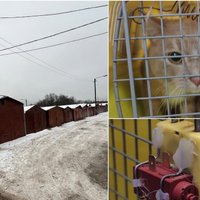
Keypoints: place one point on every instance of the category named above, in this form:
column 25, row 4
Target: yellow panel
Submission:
column 143, row 149
column 130, row 165
column 111, row 180
column 121, row 185
column 111, row 158
column 143, row 128
column 131, row 193
column 111, row 195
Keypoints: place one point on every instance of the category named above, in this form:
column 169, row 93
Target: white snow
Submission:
column 63, row 106
column 72, row 106
column 92, row 104
column 66, row 162
column 26, row 108
column 48, row 107
column 69, row 106
column 2, row 96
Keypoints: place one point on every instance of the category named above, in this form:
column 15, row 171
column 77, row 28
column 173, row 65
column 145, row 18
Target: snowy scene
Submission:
column 66, row 162
column 53, row 100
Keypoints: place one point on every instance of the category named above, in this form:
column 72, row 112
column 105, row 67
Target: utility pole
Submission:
column 26, row 102
column 95, row 87
column 95, row 91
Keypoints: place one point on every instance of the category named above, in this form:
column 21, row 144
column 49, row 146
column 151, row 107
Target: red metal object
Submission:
column 35, row 119
column 55, row 116
column 68, row 115
column 78, row 113
column 105, row 108
column 86, row 111
column 99, row 108
column 11, row 119
column 179, row 187
column 91, row 110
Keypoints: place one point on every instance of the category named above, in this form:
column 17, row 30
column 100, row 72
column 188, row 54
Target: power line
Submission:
column 45, row 64
column 53, row 35
column 51, row 14
column 54, row 45
column 35, row 62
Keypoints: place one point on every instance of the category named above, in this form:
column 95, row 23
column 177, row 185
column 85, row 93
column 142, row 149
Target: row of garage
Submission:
column 17, row 121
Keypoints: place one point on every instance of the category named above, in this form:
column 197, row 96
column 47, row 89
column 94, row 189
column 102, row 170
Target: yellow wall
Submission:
column 130, row 151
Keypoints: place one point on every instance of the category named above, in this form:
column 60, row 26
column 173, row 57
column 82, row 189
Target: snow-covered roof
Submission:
column 92, row 104
column 26, row 108
column 72, row 106
column 63, row 106
column 2, row 96
column 7, row 97
column 83, row 104
column 47, row 107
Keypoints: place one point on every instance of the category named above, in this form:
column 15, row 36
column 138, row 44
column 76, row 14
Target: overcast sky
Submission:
column 81, row 61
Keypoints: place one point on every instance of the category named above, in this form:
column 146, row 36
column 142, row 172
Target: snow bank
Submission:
column 67, row 162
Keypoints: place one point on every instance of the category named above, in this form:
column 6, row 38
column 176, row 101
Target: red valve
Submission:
column 191, row 197
column 186, row 190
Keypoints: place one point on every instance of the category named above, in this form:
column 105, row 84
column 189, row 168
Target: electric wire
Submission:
column 46, row 65
column 36, row 62
column 52, row 14
column 54, row 45
column 55, row 34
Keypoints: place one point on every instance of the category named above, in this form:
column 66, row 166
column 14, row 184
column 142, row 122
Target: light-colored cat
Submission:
column 174, row 66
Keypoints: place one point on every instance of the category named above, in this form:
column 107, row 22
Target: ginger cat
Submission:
column 174, row 65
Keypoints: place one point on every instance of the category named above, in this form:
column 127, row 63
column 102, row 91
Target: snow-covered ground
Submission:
column 65, row 163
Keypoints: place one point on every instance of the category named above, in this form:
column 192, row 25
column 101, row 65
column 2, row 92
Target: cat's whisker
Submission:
column 162, row 107
column 157, row 91
column 174, row 102
column 178, row 100
column 183, row 101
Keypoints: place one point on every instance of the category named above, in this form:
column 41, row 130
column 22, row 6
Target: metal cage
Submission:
column 129, row 144
column 184, row 102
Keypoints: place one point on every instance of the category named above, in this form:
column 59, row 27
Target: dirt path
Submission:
column 67, row 162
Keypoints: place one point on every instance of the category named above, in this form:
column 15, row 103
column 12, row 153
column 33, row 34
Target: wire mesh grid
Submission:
column 129, row 144
column 169, row 62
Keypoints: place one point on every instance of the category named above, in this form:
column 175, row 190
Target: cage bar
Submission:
column 122, row 134
column 135, row 100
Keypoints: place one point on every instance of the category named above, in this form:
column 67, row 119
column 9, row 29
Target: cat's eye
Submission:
column 176, row 59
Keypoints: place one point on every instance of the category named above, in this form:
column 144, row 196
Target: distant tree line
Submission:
column 53, row 99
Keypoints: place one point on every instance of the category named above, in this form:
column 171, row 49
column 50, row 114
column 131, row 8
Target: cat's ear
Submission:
column 153, row 26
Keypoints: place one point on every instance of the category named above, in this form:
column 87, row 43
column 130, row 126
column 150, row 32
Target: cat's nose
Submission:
column 195, row 80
